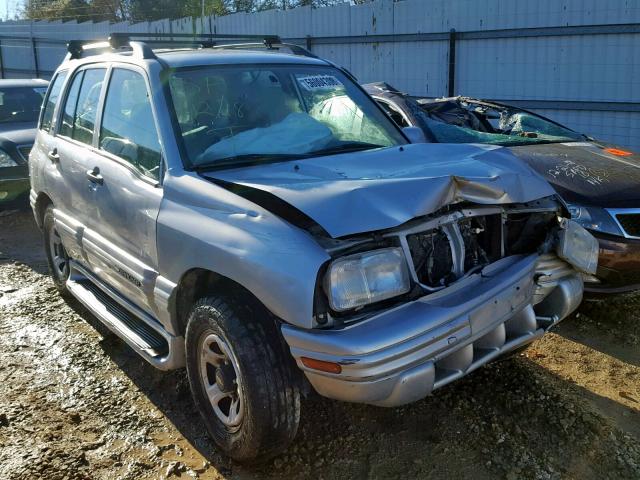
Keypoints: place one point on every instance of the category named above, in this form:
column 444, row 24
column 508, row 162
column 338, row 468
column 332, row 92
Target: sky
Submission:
column 10, row 6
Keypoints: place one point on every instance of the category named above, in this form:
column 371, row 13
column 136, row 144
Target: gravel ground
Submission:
column 75, row 402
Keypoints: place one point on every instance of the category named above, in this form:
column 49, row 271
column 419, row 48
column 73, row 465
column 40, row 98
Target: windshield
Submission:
column 21, row 104
column 460, row 121
column 236, row 114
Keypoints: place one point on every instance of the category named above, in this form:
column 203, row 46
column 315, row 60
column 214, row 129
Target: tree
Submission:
column 148, row 10
column 193, row 8
column 81, row 10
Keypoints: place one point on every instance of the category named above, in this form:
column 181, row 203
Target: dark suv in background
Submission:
column 20, row 102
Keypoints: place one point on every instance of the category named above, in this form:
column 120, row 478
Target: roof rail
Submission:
column 295, row 49
column 121, row 40
column 76, row 48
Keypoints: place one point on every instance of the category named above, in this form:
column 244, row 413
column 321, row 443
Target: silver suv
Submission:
column 250, row 212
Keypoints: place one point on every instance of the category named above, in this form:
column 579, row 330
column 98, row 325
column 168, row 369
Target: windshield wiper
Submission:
column 245, row 160
column 251, row 159
column 344, row 148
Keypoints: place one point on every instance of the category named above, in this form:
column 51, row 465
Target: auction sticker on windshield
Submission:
column 319, row 82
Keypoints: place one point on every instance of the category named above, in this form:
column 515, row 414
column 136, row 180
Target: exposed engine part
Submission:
column 432, row 258
column 482, row 239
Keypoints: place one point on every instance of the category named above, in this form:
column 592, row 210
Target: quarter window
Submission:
column 50, row 105
column 79, row 117
column 128, row 128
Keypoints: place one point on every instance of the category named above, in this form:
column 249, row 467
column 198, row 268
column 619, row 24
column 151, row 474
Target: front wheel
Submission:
column 57, row 257
column 242, row 379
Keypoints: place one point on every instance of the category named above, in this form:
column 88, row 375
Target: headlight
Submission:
column 595, row 218
column 578, row 247
column 368, row 277
column 6, row 160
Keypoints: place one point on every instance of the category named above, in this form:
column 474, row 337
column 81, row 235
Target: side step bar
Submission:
column 137, row 328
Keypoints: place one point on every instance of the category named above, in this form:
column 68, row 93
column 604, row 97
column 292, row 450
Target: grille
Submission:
column 436, row 264
column 25, row 150
column 630, row 222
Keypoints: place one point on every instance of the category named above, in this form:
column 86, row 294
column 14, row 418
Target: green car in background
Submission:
column 20, row 102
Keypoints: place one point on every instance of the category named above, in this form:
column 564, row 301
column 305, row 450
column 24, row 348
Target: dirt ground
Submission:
column 75, row 402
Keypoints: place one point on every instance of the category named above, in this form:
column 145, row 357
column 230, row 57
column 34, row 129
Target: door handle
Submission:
column 53, row 155
column 94, row 176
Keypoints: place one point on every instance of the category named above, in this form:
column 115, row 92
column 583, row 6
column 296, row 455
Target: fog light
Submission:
column 321, row 365
column 3, row 195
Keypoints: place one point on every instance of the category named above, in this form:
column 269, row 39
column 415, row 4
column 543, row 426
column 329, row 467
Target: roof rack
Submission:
column 124, row 41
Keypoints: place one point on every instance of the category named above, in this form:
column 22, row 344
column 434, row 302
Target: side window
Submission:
column 128, row 129
column 80, row 109
column 69, row 110
column 50, row 104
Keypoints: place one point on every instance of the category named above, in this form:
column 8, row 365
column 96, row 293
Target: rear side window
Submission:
column 81, row 107
column 50, row 104
column 69, row 110
column 128, row 128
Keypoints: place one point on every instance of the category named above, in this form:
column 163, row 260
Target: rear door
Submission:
column 42, row 165
column 69, row 154
column 126, row 192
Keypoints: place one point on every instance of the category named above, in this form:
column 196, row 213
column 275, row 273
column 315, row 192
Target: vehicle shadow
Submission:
column 21, row 240
column 610, row 326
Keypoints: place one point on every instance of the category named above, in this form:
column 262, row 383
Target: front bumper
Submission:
column 618, row 265
column 403, row 354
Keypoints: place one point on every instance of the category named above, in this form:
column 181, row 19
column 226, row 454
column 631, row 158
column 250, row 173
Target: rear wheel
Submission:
column 242, row 379
column 57, row 257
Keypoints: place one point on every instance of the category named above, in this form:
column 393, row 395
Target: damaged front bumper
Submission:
column 403, row 354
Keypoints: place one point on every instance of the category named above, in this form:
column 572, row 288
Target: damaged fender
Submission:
column 275, row 261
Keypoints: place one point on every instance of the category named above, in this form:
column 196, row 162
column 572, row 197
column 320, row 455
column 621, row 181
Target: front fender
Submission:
column 202, row 225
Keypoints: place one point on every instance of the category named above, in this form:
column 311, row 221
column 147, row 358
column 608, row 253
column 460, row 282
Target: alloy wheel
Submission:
column 220, row 375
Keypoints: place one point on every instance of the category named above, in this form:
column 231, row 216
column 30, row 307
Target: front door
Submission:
column 124, row 171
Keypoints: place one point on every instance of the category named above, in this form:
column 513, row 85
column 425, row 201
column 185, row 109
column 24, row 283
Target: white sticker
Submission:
column 319, row 82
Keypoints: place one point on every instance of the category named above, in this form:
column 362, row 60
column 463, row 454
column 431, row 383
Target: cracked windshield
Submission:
column 235, row 115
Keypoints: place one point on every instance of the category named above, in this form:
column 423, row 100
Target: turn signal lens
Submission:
column 321, row 365
column 618, row 152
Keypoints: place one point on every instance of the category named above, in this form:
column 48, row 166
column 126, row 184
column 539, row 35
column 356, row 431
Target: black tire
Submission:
column 59, row 272
column 268, row 382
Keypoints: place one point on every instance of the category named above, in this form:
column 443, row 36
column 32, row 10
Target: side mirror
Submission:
column 415, row 134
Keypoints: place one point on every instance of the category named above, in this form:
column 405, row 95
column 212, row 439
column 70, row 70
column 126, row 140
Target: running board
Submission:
column 137, row 328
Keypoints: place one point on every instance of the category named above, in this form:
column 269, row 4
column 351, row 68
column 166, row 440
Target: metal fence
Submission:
column 576, row 61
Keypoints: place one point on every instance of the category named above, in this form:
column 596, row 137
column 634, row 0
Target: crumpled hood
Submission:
column 378, row 189
column 585, row 173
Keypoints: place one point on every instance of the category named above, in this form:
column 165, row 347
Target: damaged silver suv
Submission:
column 249, row 212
